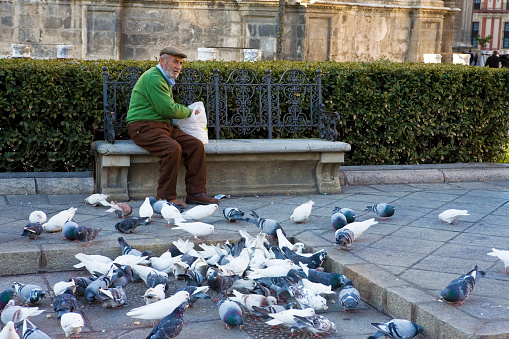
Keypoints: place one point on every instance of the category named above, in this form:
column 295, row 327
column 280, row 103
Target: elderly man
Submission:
column 149, row 120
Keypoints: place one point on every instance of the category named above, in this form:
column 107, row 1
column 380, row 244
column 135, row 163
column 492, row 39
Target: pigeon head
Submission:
column 344, row 237
column 450, row 294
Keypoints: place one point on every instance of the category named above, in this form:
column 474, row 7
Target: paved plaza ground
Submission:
column 399, row 265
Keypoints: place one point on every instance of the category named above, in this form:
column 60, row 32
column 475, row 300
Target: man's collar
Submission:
column 171, row 81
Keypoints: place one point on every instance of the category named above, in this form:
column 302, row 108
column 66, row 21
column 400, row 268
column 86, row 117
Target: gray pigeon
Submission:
column 122, row 275
column 397, row 328
column 30, row 331
column 92, row 289
column 384, row 210
column 349, row 297
column 347, row 212
column 171, row 325
column 86, row 234
column 459, row 289
column 32, row 230
column 268, row 226
column 68, row 230
column 5, row 296
column 30, row 294
column 65, row 302
column 127, row 249
column 230, row 313
column 129, row 225
column 316, row 324
column 232, row 214
column 338, row 220
column 113, row 297
column 82, row 284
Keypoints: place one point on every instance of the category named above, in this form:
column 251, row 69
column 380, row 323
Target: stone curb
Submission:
column 83, row 182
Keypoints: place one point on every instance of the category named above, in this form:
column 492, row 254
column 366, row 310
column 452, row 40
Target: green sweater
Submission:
column 152, row 100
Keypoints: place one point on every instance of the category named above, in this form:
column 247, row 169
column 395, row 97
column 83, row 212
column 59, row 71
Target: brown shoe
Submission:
column 201, row 199
column 178, row 203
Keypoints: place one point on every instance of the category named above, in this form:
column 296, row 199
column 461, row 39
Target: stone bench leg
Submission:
column 112, row 176
column 327, row 173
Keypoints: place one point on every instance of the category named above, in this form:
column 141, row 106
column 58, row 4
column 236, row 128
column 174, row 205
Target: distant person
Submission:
column 493, row 61
column 504, row 60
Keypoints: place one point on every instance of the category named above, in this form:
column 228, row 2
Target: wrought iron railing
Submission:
column 240, row 105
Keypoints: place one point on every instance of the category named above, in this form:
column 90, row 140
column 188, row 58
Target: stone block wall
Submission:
column 137, row 29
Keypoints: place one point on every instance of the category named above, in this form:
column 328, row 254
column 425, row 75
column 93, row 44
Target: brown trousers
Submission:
column 170, row 144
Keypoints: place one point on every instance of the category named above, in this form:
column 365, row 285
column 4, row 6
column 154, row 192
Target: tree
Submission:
column 483, row 41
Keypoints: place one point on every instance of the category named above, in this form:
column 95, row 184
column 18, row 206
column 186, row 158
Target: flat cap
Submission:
column 173, row 51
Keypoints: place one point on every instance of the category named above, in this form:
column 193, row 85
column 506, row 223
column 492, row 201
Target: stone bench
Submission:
column 236, row 166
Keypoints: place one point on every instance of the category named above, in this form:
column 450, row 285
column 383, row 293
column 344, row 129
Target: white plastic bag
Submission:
column 196, row 124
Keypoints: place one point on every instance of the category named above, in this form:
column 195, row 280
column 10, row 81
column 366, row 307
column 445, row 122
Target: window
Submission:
column 475, row 33
column 477, row 4
column 506, row 35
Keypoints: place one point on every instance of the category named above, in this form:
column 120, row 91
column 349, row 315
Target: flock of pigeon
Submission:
column 278, row 283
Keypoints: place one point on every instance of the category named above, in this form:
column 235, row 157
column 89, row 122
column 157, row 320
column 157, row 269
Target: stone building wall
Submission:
column 138, row 29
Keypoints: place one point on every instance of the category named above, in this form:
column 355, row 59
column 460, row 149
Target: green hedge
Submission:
column 391, row 113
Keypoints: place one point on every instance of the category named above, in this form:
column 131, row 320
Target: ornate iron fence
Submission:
column 238, row 106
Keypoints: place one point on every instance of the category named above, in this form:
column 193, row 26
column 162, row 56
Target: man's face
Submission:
column 171, row 65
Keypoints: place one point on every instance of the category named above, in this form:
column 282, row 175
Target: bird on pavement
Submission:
column 171, row 325
column 128, row 249
column 232, row 214
column 307, row 298
column 230, row 313
column 316, row 324
column 5, row 296
column 65, row 302
column 346, row 236
column 128, row 225
column 397, row 328
column 15, row 313
column 32, row 230
column 196, row 228
column 200, row 212
column 267, row 226
column 349, row 297
column 250, row 300
column 159, row 309
column 56, row 222
column 30, row 331
column 347, row 212
column 338, row 220
column 121, row 209
column 450, row 216
column 29, row 293
column 312, row 262
column 9, row 332
column 502, row 255
column 335, row 280
column 382, row 209
column 68, row 230
column 37, row 216
column 86, row 234
column 301, row 213
column 72, row 323
column 287, row 317
column 459, row 289
column 113, row 297
column 154, row 294
column 146, row 210
column 97, row 199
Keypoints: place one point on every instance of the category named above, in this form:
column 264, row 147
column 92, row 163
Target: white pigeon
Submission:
column 450, row 216
column 286, row 317
column 97, row 199
column 71, row 323
column 200, row 212
column 144, row 271
column 282, row 241
column 154, row 294
column 92, row 257
column 56, row 222
column 502, row 255
column 358, row 227
column 249, row 238
column 38, row 216
column 61, row 286
column 196, row 228
column 301, row 213
column 171, row 214
column 165, row 262
column 238, row 264
column 347, row 235
column 159, row 309
column 146, row 210
column 91, row 265
column 257, row 259
column 186, row 247
column 129, row 259
column 15, row 313
column 272, row 271
column 317, row 287
column 9, row 332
